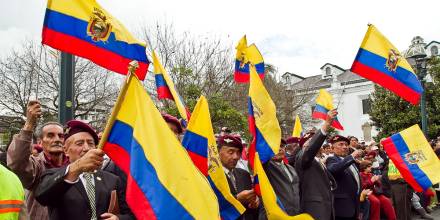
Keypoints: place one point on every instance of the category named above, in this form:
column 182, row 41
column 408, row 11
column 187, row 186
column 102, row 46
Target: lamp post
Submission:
column 416, row 56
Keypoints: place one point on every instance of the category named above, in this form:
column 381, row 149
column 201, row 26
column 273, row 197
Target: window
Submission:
column 288, row 79
column 434, row 51
column 366, row 106
column 328, row 71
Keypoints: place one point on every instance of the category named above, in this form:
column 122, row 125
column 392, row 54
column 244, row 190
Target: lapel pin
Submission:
column 98, row 178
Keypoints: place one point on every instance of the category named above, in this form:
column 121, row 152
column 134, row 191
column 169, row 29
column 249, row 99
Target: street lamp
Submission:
column 416, row 56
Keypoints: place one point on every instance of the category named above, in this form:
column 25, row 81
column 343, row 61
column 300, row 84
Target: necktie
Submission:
column 232, row 178
column 90, row 189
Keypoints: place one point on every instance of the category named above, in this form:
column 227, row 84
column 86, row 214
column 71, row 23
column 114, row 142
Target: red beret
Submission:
column 306, row 137
column 74, row 126
column 292, row 140
column 230, row 141
column 173, row 120
column 338, row 138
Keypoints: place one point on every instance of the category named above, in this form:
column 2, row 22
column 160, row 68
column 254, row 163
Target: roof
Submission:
column 335, row 66
column 432, row 42
column 317, row 82
column 293, row 74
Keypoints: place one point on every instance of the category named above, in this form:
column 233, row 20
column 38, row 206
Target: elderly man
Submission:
column 316, row 182
column 239, row 180
column 29, row 168
column 343, row 168
column 81, row 190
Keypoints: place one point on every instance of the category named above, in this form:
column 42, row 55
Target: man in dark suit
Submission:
column 344, row 170
column 81, row 190
column 316, row 182
column 239, row 180
column 285, row 183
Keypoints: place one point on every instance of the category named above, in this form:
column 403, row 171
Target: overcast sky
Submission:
column 295, row 36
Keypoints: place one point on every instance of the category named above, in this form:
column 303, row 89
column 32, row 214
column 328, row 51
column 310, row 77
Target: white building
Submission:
column 350, row 95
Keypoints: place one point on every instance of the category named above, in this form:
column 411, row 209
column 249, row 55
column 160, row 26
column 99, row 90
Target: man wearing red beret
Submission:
column 81, row 190
column 239, row 180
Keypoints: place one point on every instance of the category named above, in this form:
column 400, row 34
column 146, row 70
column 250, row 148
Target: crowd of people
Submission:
column 55, row 171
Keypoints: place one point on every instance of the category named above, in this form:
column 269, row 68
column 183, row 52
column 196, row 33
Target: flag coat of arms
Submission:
column 85, row 29
column 414, row 158
column 379, row 61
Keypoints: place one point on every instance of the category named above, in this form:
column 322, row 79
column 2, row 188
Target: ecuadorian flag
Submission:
column 163, row 182
column 84, row 28
column 245, row 58
column 271, row 203
column 324, row 103
column 379, row 61
column 263, row 122
column 166, row 90
column 200, row 143
column 414, row 158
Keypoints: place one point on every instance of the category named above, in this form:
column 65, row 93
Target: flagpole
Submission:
column 132, row 67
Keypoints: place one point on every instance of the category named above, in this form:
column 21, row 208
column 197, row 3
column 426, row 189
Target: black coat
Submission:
column 243, row 182
column 347, row 193
column 316, row 182
column 286, row 190
column 69, row 201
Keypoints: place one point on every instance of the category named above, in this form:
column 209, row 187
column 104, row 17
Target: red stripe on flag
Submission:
column 241, row 77
column 100, row 56
column 386, row 81
column 164, row 93
column 200, row 162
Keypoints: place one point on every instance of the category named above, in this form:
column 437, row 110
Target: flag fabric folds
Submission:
column 324, row 103
column 379, row 61
column 245, row 58
column 200, row 143
column 271, row 203
column 162, row 181
column 166, row 89
column 85, row 29
column 297, row 128
column 414, row 158
column 263, row 122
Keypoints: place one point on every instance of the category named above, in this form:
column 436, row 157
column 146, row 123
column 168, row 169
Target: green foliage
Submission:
column 391, row 114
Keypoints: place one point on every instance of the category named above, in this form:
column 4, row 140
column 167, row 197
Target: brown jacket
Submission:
column 29, row 169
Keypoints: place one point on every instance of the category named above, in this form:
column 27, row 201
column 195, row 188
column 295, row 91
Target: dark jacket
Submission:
column 69, row 201
column 316, row 182
column 347, row 193
column 286, row 190
column 243, row 182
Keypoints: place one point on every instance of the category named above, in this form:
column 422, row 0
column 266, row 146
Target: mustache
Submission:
column 57, row 145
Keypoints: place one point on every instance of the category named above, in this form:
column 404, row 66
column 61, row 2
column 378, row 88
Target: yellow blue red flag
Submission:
column 85, row 29
column 162, row 181
column 297, row 128
column 414, row 158
column 200, row 143
column 245, row 58
column 271, row 203
column 324, row 103
column 263, row 122
column 379, row 61
column 167, row 90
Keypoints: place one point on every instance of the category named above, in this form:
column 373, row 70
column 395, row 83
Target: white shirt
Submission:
column 81, row 177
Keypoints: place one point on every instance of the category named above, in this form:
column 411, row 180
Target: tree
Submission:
column 31, row 72
column 391, row 114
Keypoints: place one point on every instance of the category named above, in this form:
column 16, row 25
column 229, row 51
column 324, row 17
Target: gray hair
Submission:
column 39, row 130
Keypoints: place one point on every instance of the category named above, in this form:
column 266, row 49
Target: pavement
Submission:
column 435, row 214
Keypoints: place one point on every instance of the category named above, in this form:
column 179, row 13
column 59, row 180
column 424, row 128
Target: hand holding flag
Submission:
column 324, row 103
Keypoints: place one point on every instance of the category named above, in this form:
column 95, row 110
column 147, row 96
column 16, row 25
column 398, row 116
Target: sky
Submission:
column 295, row 36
